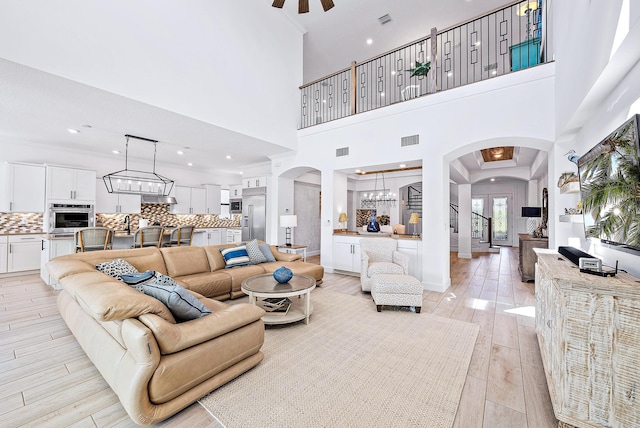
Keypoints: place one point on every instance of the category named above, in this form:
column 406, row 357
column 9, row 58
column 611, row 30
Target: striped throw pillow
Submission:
column 235, row 256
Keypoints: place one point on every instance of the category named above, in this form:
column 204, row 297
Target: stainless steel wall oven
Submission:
column 68, row 218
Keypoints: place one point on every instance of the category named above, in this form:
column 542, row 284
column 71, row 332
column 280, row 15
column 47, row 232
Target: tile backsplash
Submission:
column 11, row 223
column 160, row 213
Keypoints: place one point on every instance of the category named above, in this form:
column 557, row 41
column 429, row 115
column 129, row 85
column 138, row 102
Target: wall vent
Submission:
column 411, row 140
column 343, row 151
column 384, row 19
column 493, row 66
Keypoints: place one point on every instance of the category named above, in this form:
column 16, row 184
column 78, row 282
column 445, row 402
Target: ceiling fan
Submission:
column 303, row 5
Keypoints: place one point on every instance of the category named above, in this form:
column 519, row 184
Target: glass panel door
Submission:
column 501, row 224
column 477, row 222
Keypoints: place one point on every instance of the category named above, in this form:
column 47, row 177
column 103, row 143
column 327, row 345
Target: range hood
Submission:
column 158, row 199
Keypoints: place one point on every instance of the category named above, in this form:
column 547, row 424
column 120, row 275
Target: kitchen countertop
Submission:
column 374, row 235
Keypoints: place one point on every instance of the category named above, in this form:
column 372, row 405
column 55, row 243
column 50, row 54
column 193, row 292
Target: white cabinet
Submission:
column 109, row 203
column 190, row 200
column 23, row 253
column 412, row 248
column 3, row 254
column 234, row 235
column 23, row 188
column 346, row 253
column 52, row 248
column 213, row 199
column 235, row 191
column 209, row 236
column 70, row 185
column 254, row 182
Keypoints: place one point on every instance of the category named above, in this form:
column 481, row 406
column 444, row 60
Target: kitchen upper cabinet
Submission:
column 213, row 199
column 190, row 200
column 23, row 253
column 71, row 185
column 235, row 191
column 254, row 182
column 110, row 203
column 23, row 189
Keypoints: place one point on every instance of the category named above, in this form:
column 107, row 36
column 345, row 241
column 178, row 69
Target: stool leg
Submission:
column 379, row 308
column 418, row 309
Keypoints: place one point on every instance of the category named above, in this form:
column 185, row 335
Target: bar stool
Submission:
column 93, row 239
column 150, row 236
column 181, row 235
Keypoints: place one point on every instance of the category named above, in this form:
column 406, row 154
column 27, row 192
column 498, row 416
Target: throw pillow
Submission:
column 136, row 280
column 235, row 256
column 265, row 249
column 116, row 268
column 253, row 250
column 183, row 305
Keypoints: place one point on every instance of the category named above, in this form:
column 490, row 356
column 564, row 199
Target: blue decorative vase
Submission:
column 283, row 274
column 373, row 225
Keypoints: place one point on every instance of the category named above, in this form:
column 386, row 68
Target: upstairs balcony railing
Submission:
column 505, row 40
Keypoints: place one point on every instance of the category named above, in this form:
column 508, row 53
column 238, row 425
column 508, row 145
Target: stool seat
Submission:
column 396, row 290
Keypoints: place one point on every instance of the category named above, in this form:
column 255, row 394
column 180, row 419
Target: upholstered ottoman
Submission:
column 396, row 290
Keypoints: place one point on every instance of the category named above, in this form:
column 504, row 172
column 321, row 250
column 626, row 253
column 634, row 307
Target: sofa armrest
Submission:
column 364, row 263
column 176, row 337
column 62, row 268
column 284, row 257
column 401, row 259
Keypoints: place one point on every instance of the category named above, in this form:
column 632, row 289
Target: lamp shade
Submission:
column 414, row 219
column 343, row 218
column 288, row 221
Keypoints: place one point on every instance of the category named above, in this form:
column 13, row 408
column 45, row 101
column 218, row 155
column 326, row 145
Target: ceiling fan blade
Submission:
column 303, row 6
column 327, row 4
column 278, row 3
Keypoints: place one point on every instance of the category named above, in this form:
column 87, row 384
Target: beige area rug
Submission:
column 352, row 367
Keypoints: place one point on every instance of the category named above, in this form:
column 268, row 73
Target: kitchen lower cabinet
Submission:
column 234, row 235
column 23, row 253
column 52, row 248
column 3, row 254
column 346, row 253
column 208, row 236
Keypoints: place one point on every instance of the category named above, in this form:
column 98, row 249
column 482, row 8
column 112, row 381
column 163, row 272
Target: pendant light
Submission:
column 131, row 181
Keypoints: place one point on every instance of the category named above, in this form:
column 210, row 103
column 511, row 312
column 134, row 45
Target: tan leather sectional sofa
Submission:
column 156, row 366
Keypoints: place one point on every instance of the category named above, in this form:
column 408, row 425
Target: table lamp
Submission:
column 288, row 221
column 414, row 219
column 343, row 221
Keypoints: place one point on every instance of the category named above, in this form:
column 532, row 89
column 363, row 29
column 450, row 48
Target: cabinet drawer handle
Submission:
column 10, row 206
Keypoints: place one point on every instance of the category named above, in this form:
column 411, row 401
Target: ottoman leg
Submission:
column 379, row 308
column 418, row 309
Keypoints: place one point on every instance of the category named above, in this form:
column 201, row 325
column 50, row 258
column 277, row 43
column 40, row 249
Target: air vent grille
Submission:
column 411, row 140
column 343, row 151
column 493, row 66
column 384, row 19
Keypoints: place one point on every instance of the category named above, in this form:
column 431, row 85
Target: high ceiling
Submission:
column 39, row 107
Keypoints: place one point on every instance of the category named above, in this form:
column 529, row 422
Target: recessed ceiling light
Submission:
column 493, row 179
column 393, row 72
column 369, row 41
column 240, row 172
column 228, row 156
column 73, row 131
column 494, row 72
column 382, row 94
column 116, row 152
column 449, row 74
column 324, row 101
column 190, row 164
column 180, row 152
column 403, row 165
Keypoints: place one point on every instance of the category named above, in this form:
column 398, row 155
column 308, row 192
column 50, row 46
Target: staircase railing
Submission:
column 481, row 226
column 502, row 41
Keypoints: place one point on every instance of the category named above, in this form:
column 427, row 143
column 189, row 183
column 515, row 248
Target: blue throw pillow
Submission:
column 183, row 305
column 235, row 256
column 136, row 280
column 266, row 251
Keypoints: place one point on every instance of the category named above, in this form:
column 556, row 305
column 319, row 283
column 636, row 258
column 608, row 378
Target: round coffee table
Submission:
column 265, row 286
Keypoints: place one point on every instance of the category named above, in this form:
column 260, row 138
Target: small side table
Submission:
column 294, row 249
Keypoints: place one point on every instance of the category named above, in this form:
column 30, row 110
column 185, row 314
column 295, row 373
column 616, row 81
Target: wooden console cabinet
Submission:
column 526, row 256
column 588, row 329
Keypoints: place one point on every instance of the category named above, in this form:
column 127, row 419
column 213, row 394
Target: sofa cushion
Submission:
column 181, row 261
column 183, row 305
column 142, row 259
column 216, row 285
column 106, row 299
column 116, row 268
column 254, row 253
column 235, row 256
column 265, row 249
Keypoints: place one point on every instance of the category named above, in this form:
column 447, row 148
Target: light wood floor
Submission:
column 46, row 379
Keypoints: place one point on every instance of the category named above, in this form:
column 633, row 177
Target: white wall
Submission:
column 449, row 124
column 227, row 63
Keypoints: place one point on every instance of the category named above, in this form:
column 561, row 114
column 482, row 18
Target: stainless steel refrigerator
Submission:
column 254, row 213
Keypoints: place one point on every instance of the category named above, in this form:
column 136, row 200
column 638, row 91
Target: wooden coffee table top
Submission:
column 266, row 284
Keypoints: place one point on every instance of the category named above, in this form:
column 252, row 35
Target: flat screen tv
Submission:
column 610, row 187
